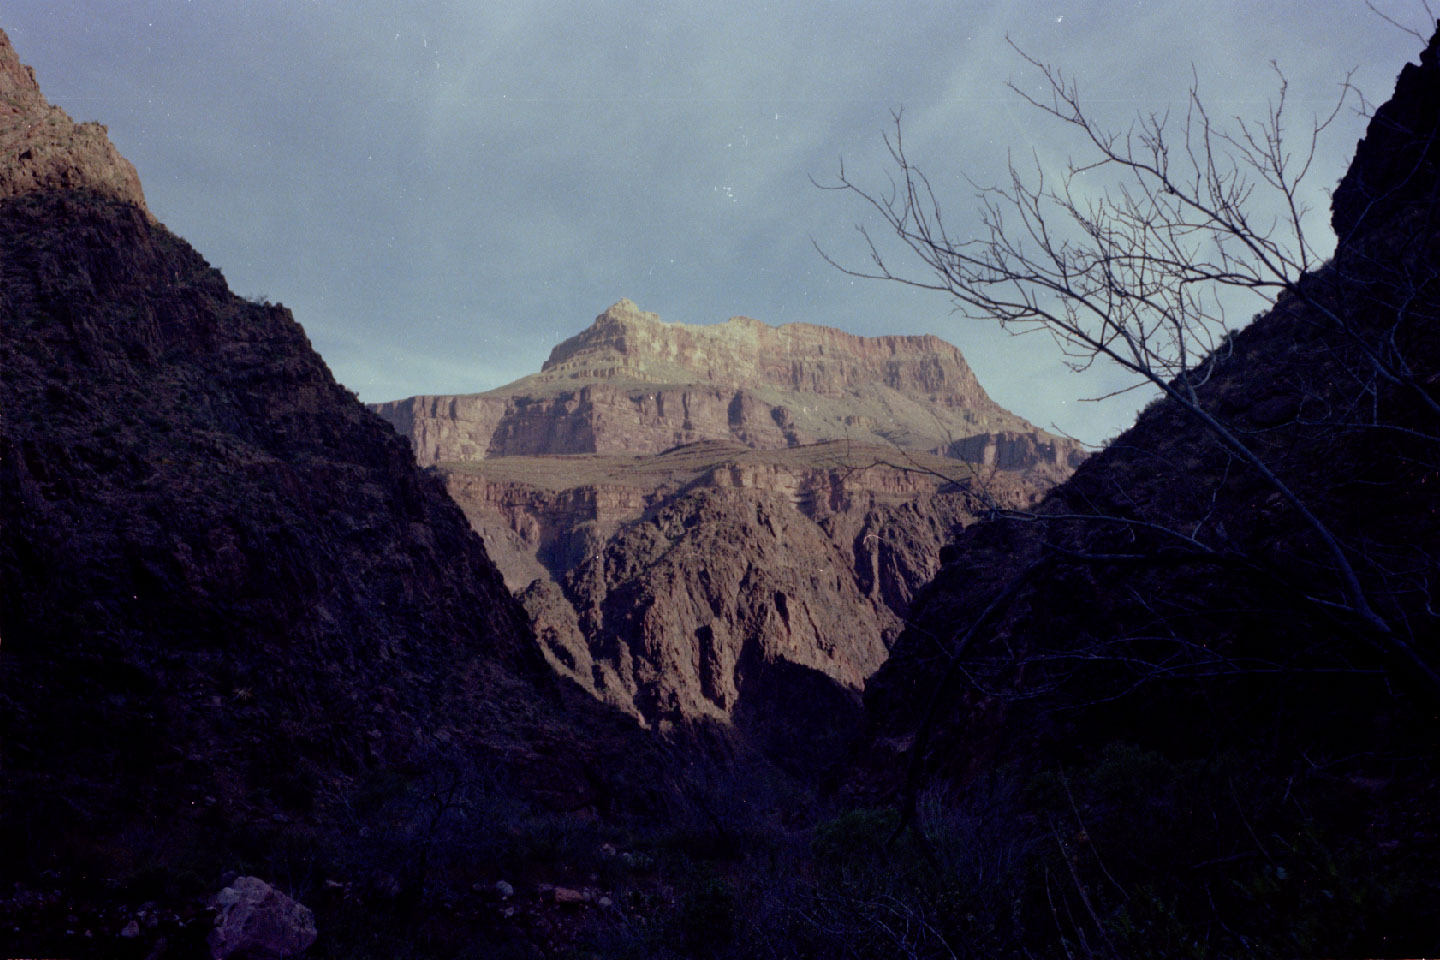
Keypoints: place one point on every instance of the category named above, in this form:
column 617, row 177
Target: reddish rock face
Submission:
column 43, row 149
column 752, row 565
column 756, row 588
column 1043, row 456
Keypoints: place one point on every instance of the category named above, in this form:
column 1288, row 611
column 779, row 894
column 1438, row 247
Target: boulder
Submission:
column 254, row 921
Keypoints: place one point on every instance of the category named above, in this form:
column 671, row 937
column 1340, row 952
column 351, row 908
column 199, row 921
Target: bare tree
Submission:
column 1131, row 254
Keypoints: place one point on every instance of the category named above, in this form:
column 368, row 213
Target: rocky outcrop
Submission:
column 254, row 921
column 1046, row 457
column 1394, row 175
column 530, row 530
column 683, row 611
column 41, row 148
column 632, row 383
column 675, row 608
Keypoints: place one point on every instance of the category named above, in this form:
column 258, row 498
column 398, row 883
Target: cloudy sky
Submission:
column 443, row 190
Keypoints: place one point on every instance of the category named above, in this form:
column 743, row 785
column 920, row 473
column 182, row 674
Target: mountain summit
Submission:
column 632, row 383
column 628, row 343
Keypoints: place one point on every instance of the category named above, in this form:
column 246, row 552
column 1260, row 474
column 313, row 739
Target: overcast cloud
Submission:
column 442, row 190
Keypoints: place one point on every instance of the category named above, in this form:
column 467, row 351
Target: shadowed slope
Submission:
column 229, row 599
column 1157, row 680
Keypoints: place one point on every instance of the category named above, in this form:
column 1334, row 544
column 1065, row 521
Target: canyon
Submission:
column 717, row 641
column 688, row 512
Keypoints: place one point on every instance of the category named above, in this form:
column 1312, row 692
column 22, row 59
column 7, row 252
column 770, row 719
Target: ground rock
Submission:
column 254, row 921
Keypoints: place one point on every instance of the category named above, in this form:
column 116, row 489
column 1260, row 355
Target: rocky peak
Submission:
column 623, row 316
column 633, row 383
column 42, row 149
column 627, row 343
column 17, row 81
column 625, row 311
column 614, row 333
column 1397, row 163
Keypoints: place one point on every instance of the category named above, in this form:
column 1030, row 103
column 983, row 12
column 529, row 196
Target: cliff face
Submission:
column 631, row 383
column 1043, row 457
column 543, row 516
column 628, row 343
column 228, row 596
column 704, row 583
column 44, row 150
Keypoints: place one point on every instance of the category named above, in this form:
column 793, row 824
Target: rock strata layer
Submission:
column 757, row 589
column 631, row 383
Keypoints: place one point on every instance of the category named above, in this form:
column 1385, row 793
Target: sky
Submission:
column 441, row 191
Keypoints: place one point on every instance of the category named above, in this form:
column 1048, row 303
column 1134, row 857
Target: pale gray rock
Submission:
column 254, row 921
